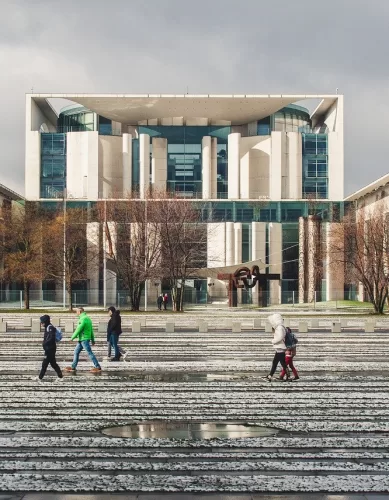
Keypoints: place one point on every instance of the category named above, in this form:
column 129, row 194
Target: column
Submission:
column 92, row 268
column 234, row 165
column 275, row 260
column 214, row 168
column 216, row 256
column 295, row 171
column 335, row 166
column 159, row 163
column 144, row 165
column 206, row 145
column 334, row 269
column 238, row 253
column 33, row 165
column 277, row 164
column 230, row 244
column 127, row 165
column 258, row 249
column 314, row 256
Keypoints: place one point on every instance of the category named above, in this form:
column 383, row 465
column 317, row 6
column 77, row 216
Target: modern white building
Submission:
column 261, row 164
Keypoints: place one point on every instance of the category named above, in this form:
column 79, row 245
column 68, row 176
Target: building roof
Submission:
column 9, row 194
column 134, row 108
column 370, row 188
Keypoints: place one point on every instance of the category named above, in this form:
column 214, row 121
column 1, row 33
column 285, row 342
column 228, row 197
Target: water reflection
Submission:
column 189, row 430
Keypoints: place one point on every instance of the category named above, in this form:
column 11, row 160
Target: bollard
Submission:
column 135, row 327
column 314, row 323
column 35, row 326
column 336, row 327
column 268, row 327
column 26, row 322
column 102, row 327
column 257, row 324
column 54, row 320
column 69, row 327
column 3, row 327
column 169, row 327
column 303, row 327
column 236, row 327
column 343, row 323
column 287, row 322
column 203, row 327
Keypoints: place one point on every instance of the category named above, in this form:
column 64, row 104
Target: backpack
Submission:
column 58, row 333
column 290, row 338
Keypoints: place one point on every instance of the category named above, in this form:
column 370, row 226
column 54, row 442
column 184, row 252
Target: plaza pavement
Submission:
column 237, row 437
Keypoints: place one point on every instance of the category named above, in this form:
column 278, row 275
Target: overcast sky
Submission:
column 210, row 46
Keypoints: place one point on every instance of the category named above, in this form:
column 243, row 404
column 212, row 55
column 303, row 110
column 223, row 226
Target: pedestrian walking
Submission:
column 160, row 301
column 278, row 342
column 49, row 345
column 165, row 301
column 85, row 336
column 291, row 350
column 114, row 329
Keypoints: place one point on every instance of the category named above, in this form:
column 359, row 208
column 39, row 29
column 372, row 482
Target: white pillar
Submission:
column 159, row 163
column 206, row 145
column 93, row 251
column 230, row 244
column 258, row 249
column 234, row 165
column 277, row 164
column 144, row 164
column 214, row 168
column 33, row 165
column 275, row 260
column 127, row 164
column 334, row 271
column 335, row 166
column 238, row 242
column 216, row 255
column 295, row 171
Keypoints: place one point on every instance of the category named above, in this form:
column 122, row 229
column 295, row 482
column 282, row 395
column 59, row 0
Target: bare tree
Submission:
column 80, row 252
column 183, row 238
column 132, row 242
column 361, row 244
column 22, row 246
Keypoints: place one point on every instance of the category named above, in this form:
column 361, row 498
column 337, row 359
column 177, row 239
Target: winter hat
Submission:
column 113, row 309
column 45, row 319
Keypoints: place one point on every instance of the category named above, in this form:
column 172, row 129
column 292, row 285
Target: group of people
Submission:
column 85, row 338
column 284, row 344
column 162, row 299
column 285, row 347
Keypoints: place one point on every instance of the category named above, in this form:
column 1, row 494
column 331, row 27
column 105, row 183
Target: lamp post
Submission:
column 64, row 247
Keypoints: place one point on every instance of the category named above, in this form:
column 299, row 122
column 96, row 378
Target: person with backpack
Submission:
column 49, row 345
column 114, row 329
column 85, row 336
column 291, row 349
column 278, row 342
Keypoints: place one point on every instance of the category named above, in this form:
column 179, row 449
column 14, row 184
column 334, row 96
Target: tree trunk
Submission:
column 69, row 294
column 135, row 296
column 26, row 287
column 181, row 304
column 174, row 291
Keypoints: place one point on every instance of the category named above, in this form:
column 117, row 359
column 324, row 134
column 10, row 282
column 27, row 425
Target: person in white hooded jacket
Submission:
column 278, row 342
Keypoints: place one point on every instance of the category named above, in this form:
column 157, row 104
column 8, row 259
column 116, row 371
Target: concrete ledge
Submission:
column 267, row 327
column 257, row 324
column 336, row 327
column 236, row 327
column 203, row 327
column 369, row 326
column 170, row 327
column 55, row 320
column 35, row 326
column 135, row 327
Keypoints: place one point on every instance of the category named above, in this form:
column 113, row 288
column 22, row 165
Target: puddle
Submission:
column 180, row 377
column 190, row 430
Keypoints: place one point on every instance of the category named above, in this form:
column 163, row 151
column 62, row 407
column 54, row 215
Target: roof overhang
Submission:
column 370, row 188
column 134, row 108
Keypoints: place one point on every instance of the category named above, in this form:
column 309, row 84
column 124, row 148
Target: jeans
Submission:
column 114, row 343
column 50, row 359
column 84, row 344
column 279, row 357
column 109, row 349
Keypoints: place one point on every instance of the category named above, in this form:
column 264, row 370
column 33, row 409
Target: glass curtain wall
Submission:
column 315, row 165
column 184, row 157
column 53, row 165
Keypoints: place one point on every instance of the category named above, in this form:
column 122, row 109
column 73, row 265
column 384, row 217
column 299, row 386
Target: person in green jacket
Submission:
column 85, row 337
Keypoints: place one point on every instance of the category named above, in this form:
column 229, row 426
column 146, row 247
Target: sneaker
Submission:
column 268, row 378
column 70, row 369
column 295, row 378
column 124, row 356
column 58, row 380
column 96, row 370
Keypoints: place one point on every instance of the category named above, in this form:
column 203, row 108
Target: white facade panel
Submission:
column 144, row 164
column 33, row 165
column 238, row 242
column 82, row 161
column 206, row 146
column 277, row 164
column 230, row 244
column 295, row 164
column 110, row 166
column 335, row 166
column 275, row 260
column 234, row 166
column 127, row 164
column 159, row 163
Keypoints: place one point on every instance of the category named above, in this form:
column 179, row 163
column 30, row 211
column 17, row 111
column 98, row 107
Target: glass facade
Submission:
column 76, row 119
column 315, row 165
column 53, row 165
column 292, row 119
column 184, row 157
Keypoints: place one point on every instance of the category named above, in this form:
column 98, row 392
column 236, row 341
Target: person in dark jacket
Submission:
column 160, row 301
column 114, row 329
column 49, row 346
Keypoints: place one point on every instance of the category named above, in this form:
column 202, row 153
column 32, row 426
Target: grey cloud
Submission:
column 218, row 46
